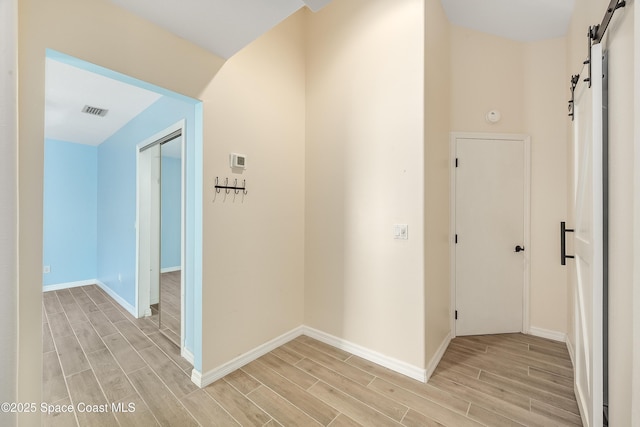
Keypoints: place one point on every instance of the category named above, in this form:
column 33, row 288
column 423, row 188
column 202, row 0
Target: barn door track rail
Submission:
column 594, row 36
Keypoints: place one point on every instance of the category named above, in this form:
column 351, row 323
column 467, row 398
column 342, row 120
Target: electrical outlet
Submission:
column 46, row 269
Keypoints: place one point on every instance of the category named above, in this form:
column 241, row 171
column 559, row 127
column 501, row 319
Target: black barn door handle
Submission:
column 563, row 243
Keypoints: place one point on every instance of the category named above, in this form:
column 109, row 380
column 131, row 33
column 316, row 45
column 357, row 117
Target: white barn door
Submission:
column 588, row 241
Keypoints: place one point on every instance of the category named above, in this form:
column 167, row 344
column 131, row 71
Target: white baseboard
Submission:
column 545, row 333
column 131, row 309
column 396, row 365
column 188, row 355
column 170, row 269
column 96, row 282
column 404, row 368
column 435, row 360
column 67, row 285
column 226, row 368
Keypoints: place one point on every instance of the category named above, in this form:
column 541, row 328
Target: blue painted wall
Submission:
column 117, row 193
column 171, row 195
column 70, row 209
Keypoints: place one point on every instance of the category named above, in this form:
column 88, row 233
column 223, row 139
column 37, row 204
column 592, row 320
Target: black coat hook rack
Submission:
column 227, row 188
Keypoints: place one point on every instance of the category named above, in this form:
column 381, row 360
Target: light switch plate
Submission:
column 401, row 231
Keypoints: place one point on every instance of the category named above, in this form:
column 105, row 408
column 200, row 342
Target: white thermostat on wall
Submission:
column 237, row 161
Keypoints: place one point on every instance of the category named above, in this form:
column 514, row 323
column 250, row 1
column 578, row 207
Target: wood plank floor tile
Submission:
column 325, row 348
column 350, row 406
column 382, row 404
column 148, row 325
column 242, row 409
column 54, row 387
column 427, row 390
column 86, row 304
column 242, row 381
column 171, row 350
column 100, row 322
column 162, row 403
column 291, row 372
column 113, row 380
column 59, row 325
column 423, row 405
column 544, row 396
column 500, row 407
column 551, row 412
column 490, row 418
column 85, row 392
column 169, row 372
column 479, row 390
column 59, row 419
column 207, row 411
column 51, row 302
column 314, row 407
column 113, row 314
column 343, row 421
column 124, row 353
column 136, row 338
column 416, row 419
column 448, row 366
column 339, row 366
column 491, row 380
column 97, row 296
column 47, row 339
column 280, row 409
column 72, row 357
column 89, row 339
column 548, row 376
column 137, row 415
column 291, row 357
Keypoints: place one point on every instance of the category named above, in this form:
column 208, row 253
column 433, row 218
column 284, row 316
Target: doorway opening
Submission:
column 161, row 231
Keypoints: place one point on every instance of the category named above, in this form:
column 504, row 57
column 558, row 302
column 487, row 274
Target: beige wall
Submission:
column 8, row 208
column 526, row 83
column 436, row 164
column 545, row 119
column 253, row 249
column 364, row 172
column 487, row 73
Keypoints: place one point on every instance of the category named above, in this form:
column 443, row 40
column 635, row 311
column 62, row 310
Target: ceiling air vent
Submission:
column 95, row 111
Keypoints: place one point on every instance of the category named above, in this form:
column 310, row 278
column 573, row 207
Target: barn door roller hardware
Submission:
column 594, row 36
column 563, row 243
column 614, row 5
column 574, row 83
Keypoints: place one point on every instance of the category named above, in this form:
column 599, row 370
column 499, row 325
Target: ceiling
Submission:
column 520, row 20
column 69, row 89
column 220, row 26
column 226, row 26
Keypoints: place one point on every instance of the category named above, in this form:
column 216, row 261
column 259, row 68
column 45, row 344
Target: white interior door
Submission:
column 489, row 224
column 588, row 241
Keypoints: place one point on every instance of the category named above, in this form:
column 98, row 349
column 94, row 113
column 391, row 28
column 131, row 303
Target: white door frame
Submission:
column 142, row 287
column 526, row 140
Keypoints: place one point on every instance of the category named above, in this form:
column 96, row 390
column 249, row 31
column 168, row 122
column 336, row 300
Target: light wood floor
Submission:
column 170, row 305
column 95, row 352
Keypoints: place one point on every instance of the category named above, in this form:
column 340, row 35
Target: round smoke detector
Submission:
column 493, row 116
